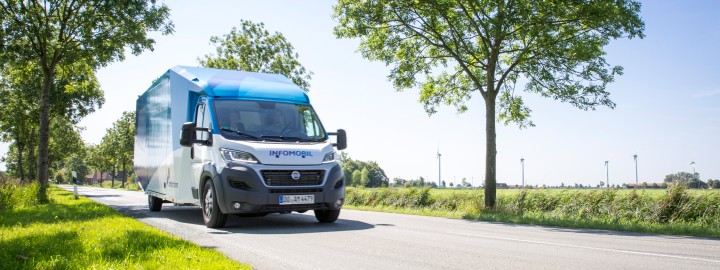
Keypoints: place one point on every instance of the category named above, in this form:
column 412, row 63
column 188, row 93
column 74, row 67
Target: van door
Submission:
column 199, row 154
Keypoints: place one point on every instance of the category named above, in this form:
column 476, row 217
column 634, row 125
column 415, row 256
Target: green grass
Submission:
column 108, row 184
column 674, row 211
column 82, row 234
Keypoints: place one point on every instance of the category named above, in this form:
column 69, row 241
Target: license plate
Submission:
column 297, row 199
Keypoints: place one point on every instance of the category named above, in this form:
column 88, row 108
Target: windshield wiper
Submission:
column 240, row 133
column 284, row 138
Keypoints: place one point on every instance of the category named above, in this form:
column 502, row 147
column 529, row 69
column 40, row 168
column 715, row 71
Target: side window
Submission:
column 311, row 127
column 199, row 115
column 206, row 122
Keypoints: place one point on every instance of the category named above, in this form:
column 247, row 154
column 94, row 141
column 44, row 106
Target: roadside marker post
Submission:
column 74, row 180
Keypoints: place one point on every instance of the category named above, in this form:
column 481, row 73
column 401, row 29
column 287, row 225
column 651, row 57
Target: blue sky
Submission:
column 668, row 100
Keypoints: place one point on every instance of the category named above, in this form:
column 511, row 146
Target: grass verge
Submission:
column 118, row 185
column 82, row 234
column 677, row 211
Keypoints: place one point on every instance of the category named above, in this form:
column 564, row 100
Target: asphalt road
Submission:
column 370, row 240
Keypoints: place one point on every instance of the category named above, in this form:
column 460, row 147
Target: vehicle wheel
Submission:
column 327, row 216
column 212, row 216
column 154, row 203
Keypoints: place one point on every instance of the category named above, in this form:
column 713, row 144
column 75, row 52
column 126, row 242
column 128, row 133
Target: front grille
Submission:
column 296, row 190
column 284, row 177
column 293, row 207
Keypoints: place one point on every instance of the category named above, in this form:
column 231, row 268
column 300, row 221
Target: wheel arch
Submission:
column 209, row 172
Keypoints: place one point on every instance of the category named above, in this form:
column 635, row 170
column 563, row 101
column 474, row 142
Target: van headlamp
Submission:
column 329, row 157
column 238, row 156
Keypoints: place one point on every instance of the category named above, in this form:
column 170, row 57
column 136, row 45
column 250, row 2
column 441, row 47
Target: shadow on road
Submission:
column 102, row 196
column 271, row 224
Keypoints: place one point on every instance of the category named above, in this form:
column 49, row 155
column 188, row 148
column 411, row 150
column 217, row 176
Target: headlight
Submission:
column 241, row 156
column 329, row 157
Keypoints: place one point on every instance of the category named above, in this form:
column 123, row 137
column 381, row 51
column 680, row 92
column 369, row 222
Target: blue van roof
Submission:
column 252, row 85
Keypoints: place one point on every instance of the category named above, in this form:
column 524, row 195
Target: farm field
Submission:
column 676, row 210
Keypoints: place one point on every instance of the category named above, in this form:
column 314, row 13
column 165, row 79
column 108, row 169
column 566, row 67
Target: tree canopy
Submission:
column 252, row 48
column 451, row 49
column 362, row 173
column 55, row 33
column 79, row 94
column 692, row 180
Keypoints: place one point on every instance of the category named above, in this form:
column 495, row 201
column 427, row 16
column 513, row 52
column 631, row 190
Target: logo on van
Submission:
column 287, row 153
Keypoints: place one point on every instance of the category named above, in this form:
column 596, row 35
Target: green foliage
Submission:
column 65, row 38
column 60, row 178
column 675, row 211
column 555, row 45
column 686, row 178
column 420, row 182
column 451, row 49
column 16, row 194
column 81, row 234
column 713, row 183
column 76, row 163
column 109, row 184
column 252, row 48
column 116, row 150
column 362, row 173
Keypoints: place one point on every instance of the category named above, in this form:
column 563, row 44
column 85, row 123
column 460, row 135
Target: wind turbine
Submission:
column 439, row 171
column 636, row 173
column 522, row 162
column 693, row 165
column 607, row 173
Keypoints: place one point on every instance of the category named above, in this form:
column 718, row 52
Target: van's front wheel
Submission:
column 327, row 216
column 212, row 215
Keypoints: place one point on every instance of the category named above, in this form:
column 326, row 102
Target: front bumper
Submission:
column 243, row 184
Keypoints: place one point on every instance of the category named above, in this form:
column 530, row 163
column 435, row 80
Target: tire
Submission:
column 212, row 215
column 154, row 203
column 327, row 216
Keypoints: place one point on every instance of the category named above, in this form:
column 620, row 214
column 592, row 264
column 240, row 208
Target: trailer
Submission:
column 235, row 142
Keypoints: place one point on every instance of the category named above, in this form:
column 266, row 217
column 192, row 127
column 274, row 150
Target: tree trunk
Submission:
column 43, row 150
column 21, row 170
column 490, row 152
column 112, row 182
column 124, row 175
column 31, row 157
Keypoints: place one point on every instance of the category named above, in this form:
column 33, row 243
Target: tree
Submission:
column 56, row 33
column 252, row 48
column 76, row 163
column 692, row 180
column 714, row 183
column 376, row 176
column 118, row 146
column 357, row 178
column 106, row 151
column 365, row 177
column 19, row 109
column 450, row 49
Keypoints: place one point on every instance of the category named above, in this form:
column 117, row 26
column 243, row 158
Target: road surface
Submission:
column 371, row 240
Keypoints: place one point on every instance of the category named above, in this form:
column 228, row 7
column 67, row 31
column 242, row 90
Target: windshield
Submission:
column 269, row 121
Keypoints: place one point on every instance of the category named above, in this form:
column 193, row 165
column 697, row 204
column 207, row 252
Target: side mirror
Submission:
column 187, row 134
column 341, row 139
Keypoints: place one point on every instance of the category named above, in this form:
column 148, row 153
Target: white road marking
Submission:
column 591, row 248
